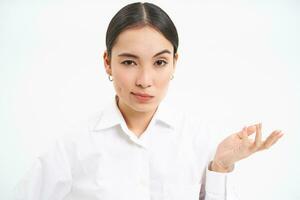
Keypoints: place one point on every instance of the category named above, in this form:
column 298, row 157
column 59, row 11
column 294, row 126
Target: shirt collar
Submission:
column 112, row 116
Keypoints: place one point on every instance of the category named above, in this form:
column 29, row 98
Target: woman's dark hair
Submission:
column 141, row 14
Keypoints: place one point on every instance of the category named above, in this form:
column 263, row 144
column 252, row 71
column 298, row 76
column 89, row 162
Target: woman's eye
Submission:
column 128, row 62
column 161, row 63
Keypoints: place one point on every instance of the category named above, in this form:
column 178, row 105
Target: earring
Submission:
column 110, row 78
column 172, row 76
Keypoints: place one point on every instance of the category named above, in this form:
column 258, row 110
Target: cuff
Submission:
column 217, row 182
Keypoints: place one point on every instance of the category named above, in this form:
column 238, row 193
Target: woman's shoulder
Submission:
column 79, row 132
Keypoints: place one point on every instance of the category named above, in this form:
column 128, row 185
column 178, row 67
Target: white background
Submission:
column 238, row 64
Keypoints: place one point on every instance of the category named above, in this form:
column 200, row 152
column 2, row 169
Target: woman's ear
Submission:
column 106, row 61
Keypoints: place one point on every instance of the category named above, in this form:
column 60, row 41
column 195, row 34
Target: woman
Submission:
column 138, row 147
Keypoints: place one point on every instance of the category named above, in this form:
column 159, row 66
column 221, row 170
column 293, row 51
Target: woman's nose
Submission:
column 144, row 79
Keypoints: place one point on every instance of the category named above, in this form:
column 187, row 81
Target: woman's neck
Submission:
column 136, row 121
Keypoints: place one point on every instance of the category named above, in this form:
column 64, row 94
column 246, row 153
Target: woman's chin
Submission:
column 144, row 107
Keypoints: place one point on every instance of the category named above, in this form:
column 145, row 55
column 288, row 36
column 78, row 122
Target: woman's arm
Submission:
column 49, row 178
column 218, row 183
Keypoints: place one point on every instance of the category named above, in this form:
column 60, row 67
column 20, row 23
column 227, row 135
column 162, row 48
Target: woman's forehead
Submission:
column 141, row 40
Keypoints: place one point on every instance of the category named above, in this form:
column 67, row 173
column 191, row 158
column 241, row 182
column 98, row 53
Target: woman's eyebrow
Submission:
column 135, row 56
column 162, row 52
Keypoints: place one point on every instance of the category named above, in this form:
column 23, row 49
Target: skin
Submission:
column 148, row 69
column 145, row 73
column 238, row 146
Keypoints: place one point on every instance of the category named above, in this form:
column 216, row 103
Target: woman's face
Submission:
column 141, row 62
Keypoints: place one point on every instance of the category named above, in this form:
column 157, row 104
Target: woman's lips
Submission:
column 142, row 97
column 142, row 94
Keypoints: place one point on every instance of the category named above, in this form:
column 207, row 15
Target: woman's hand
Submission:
column 238, row 146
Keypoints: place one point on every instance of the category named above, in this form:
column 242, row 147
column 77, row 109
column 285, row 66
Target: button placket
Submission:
column 143, row 177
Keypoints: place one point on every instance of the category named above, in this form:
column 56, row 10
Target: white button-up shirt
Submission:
column 107, row 161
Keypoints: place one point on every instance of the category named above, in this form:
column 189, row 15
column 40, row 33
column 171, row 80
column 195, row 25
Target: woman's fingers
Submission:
column 272, row 139
column 251, row 129
column 257, row 144
column 258, row 135
column 278, row 137
column 248, row 131
column 243, row 133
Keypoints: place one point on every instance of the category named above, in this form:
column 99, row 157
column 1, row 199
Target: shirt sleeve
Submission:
column 49, row 177
column 215, row 185
column 219, row 186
